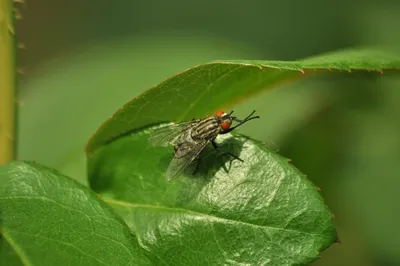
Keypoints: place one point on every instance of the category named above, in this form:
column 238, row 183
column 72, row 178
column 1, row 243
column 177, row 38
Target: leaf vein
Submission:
column 133, row 205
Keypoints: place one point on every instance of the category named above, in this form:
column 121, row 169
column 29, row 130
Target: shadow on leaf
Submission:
column 211, row 165
column 131, row 170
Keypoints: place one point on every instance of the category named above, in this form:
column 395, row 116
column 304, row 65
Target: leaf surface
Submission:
column 262, row 211
column 203, row 89
column 49, row 219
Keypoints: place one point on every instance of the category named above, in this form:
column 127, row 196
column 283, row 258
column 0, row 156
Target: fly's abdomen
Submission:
column 207, row 129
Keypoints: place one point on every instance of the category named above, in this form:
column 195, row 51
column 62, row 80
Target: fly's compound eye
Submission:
column 220, row 114
column 225, row 125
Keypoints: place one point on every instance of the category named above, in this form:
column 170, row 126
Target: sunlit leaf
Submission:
column 202, row 89
column 262, row 211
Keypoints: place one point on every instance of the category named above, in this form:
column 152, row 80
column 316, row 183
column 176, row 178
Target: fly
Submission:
column 190, row 138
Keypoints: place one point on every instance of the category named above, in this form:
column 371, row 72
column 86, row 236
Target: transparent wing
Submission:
column 184, row 155
column 166, row 135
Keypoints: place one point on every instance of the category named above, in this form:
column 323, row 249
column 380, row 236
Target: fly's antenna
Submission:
column 227, row 115
column 241, row 122
column 246, row 119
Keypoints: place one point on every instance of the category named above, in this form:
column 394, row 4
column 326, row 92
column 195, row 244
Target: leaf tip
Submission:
column 319, row 189
column 93, row 143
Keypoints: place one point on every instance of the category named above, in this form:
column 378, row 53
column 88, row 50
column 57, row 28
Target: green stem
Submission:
column 7, row 82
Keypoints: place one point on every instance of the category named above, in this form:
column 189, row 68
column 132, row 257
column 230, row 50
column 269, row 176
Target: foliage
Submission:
column 263, row 210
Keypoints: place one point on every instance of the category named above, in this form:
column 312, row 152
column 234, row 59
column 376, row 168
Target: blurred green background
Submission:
column 85, row 59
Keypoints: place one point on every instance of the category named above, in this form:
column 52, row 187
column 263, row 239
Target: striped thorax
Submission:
column 210, row 127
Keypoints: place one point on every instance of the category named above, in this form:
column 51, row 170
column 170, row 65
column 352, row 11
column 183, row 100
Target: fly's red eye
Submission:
column 225, row 125
column 219, row 113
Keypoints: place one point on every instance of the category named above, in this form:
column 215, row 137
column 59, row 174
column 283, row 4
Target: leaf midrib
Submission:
column 149, row 206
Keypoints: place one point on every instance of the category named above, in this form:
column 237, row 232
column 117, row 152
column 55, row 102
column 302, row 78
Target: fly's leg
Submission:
column 175, row 149
column 224, row 153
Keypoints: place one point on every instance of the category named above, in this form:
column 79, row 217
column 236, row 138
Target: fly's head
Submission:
column 224, row 120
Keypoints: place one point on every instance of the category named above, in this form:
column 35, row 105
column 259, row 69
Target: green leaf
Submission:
column 49, row 219
column 202, row 89
column 262, row 211
column 106, row 66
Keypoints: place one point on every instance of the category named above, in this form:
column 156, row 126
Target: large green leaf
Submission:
column 49, row 219
column 262, row 211
column 201, row 90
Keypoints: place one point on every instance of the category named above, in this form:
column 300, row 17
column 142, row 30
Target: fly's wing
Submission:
column 184, row 155
column 166, row 135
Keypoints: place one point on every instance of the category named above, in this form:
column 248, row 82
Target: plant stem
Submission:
column 7, row 82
